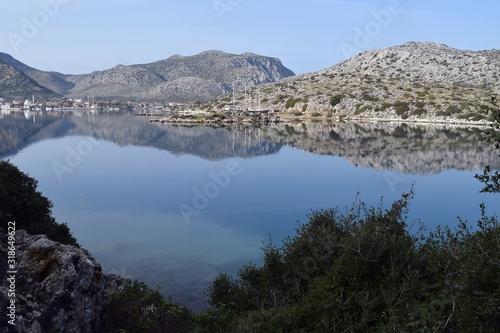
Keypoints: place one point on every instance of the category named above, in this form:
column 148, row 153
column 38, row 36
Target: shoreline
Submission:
column 279, row 118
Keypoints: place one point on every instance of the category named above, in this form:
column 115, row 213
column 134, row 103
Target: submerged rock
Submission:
column 58, row 288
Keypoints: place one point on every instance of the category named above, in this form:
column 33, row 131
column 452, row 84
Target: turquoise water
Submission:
column 175, row 206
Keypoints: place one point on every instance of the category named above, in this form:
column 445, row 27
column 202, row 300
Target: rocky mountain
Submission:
column 196, row 78
column 201, row 77
column 54, row 81
column 16, row 85
column 414, row 81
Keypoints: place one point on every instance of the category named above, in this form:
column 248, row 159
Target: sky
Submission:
column 81, row 36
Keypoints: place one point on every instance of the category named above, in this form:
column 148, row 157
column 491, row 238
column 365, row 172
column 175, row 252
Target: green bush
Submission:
column 453, row 109
column 138, row 308
column 419, row 112
column 336, row 100
column 361, row 270
column 401, row 108
column 22, row 203
column 290, row 103
column 385, row 106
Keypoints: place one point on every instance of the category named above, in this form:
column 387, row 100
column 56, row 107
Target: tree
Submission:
column 22, row 203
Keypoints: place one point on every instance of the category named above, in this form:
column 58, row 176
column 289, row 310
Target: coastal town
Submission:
column 64, row 104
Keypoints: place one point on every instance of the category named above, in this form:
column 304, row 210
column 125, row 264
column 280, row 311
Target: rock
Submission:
column 58, row 288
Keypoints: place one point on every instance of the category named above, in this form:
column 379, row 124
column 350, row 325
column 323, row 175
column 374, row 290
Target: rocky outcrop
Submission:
column 58, row 288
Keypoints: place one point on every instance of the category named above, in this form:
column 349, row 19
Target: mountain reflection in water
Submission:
column 400, row 147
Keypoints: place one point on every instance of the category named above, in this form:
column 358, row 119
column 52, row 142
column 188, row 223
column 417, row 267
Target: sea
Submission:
column 174, row 206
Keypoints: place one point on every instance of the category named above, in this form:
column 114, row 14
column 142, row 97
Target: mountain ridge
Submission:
column 200, row 77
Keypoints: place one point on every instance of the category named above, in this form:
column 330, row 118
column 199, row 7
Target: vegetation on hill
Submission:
column 22, row 203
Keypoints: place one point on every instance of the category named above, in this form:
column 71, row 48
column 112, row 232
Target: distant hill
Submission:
column 411, row 81
column 202, row 77
column 16, row 85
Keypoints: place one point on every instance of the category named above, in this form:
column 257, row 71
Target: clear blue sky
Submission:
column 80, row 36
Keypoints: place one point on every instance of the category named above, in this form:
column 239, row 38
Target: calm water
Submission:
column 173, row 206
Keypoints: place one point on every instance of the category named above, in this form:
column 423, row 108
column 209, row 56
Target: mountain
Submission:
column 201, row 77
column 52, row 80
column 15, row 84
column 414, row 81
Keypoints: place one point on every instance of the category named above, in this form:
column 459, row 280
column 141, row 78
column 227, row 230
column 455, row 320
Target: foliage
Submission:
column 336, row 100
column 361, row 270
column 290, row 103
column 138, row 308
column 419, row 112
column 401, row 108
column 21, row 202
column 491, row 178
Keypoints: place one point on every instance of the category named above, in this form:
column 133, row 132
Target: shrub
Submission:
column 138, row 308
column 419, row 112
column 385, row 106
column 401, row 108
column 360, row 270
column 290, row 103
column 336, row 100
column 452, row 109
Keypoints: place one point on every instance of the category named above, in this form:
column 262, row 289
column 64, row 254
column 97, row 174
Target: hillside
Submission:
column 201, row 77
column 14, row 84
column 54, row 81
column 414, row 81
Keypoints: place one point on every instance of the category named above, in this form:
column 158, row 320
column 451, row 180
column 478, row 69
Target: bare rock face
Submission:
column 58, row 288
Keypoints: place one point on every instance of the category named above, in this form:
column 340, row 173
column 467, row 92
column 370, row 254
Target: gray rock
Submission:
column 59, row 288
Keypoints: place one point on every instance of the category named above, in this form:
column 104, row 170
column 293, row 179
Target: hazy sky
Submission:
column 80, row 36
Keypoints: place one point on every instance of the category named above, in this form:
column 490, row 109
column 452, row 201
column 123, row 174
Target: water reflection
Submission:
column 404, row 148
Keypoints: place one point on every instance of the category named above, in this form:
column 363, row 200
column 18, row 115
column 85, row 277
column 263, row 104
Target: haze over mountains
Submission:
column 182, row 79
